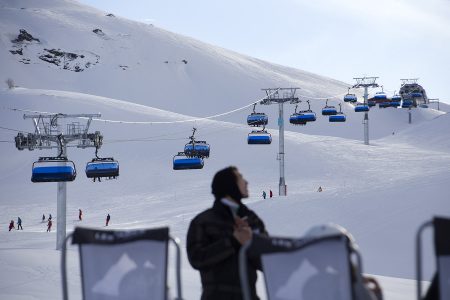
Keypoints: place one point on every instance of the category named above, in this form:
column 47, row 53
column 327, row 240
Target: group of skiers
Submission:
column 19, row 224
column 270, row 194
column 49, row 221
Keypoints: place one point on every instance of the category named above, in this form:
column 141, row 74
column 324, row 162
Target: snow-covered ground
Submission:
column 381, row 193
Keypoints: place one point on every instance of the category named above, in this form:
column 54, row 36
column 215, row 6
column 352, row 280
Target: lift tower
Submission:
column 273, row 97
column 49, row 134
column 366, row 82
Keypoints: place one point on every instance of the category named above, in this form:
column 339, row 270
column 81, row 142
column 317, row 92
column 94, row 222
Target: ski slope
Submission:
column 381, row 192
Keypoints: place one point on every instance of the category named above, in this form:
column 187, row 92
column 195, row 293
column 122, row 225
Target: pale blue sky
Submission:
column 340, row 39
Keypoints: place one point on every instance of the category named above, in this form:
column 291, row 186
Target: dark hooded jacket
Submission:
column 213, row 250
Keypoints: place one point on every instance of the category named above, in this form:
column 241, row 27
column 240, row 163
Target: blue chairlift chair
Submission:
column 102, row 168
column 328, row 110
column 302, row 117
column 380, row 96
column 407, row 103
column 259, row 137
column 257, row 119
column 384, row 104
column 53, row 169
column 123, row 264
column 182, row 162
column 416, row 94
column 350, row 98
column 339, row 117
column 361, row 107
column 197, row 148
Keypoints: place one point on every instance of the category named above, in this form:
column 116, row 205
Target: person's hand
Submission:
column 240, row 222
column 242, row 232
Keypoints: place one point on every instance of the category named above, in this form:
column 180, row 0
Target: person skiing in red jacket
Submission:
column 49, row 225
column 270, row 194
column 11, row 225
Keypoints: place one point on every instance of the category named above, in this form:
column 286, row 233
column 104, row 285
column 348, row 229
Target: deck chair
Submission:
column 122, row 264
column 302, row 269
column 440, row 286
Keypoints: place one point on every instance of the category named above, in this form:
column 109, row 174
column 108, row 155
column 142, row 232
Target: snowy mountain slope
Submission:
column 210, row 72
column 376, row 191
column 143, row 64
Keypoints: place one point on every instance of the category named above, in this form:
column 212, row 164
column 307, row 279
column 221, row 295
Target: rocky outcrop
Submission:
column 76, row 62
column 24, row 36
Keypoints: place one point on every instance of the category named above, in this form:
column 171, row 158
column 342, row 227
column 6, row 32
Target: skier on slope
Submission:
column 19, row 223
column 11, row 225
column 49, row 225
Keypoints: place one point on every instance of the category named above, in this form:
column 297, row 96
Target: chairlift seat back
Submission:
column 395, row 103
column 441, row 283
column 123, row 264
column 416, row 94
column 305, row 269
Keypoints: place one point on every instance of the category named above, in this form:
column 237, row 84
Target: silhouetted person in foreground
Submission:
column 108, row 217
column 216, row 235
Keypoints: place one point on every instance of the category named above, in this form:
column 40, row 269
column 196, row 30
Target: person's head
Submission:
column 229, row 182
